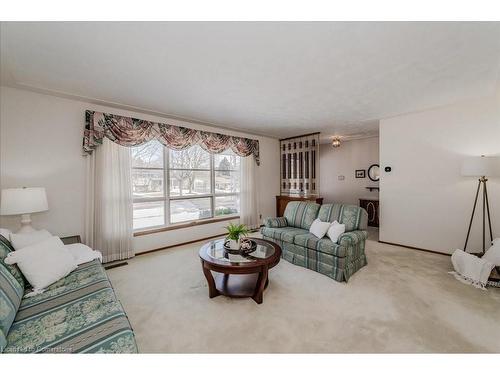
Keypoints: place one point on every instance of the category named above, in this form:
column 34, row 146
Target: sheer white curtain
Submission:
column 248, row 194
column 108, row 214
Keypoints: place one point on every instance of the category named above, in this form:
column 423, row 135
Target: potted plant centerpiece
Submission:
column 234, row 234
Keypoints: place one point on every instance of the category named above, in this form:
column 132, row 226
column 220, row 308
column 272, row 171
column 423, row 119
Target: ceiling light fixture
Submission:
column 336, row 142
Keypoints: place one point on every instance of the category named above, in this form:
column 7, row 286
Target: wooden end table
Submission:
column 238, row 275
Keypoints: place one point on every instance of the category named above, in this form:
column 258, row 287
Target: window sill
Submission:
column 183, row 225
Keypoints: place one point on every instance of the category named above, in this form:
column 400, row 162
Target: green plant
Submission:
column 235, row 231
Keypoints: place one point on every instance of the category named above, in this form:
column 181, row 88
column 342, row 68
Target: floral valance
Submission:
column 128, row 131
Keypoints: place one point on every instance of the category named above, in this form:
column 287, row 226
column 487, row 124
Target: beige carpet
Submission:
column 403, row 301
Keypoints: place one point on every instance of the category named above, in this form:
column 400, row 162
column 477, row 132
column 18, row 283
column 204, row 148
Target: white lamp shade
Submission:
column 20, row 201
column 481, row 166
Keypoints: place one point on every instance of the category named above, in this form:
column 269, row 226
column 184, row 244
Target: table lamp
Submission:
column 23, row 201
column 482, row 167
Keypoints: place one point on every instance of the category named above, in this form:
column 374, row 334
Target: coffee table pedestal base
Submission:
column 237, row 285
column 238, row 274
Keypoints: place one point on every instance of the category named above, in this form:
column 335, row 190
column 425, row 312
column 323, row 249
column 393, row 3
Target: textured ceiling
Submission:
column 279, row 79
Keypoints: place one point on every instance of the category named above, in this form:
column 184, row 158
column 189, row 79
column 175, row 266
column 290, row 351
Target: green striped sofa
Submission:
column 78, row 314
column 336, row 260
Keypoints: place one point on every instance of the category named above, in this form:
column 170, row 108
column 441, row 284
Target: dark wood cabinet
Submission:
column 372, row 207
column 282, row 201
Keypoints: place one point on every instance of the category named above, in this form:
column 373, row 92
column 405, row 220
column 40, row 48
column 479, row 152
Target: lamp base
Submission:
column 26, row 224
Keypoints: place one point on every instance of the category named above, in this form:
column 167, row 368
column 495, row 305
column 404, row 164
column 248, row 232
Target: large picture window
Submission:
column 171, row 187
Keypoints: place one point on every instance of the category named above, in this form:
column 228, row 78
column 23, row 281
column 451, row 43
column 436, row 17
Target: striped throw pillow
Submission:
column 5, row 249
column 11, row 294
column 276, row 222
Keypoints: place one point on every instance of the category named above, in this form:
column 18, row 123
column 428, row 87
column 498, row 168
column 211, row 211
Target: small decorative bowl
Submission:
column 247, row 246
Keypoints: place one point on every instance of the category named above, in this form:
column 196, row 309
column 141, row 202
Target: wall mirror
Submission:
column 374, row 172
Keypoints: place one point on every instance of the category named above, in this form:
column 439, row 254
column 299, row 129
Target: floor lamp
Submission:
column 481, row 167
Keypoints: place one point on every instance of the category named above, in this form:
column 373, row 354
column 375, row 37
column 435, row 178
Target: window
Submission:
column 172, row 187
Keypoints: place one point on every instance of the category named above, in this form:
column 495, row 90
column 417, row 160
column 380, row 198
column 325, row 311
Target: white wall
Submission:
column 424, row 201
column 343, row 161
column 41, row 145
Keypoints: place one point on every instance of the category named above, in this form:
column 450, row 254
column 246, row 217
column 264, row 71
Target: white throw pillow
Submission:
column 319, row 228
column 6, row 233
column 493, row 253
column 335, row 230
column 43, row 263
column 82, row 253
column 20, row 240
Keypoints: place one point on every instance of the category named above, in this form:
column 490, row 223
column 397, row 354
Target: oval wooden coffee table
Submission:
column 238, row 275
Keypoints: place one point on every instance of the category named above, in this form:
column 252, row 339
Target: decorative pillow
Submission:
column 5, row 233
column 335, row 230
column 20, row 240
column 275, row 222
column 6, row 241
column 82, row 253
column 11, row 294
column 5, row 249
column 43, row 263
column 319, row 228
column 493, row 253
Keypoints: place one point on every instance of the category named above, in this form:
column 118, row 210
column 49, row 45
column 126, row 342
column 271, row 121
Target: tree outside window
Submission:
column 174, row 186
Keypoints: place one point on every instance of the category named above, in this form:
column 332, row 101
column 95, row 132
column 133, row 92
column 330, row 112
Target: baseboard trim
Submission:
column 415, row 248
column 115, row 265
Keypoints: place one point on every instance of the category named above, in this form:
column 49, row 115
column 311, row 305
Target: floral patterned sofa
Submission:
column 336, row 260
column 78, row 314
